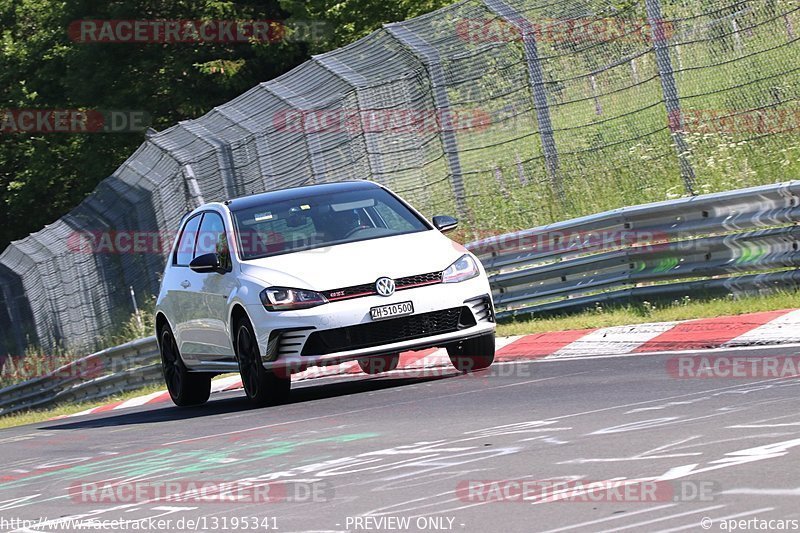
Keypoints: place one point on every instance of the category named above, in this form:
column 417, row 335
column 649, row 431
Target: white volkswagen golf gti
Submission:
column 274, row 283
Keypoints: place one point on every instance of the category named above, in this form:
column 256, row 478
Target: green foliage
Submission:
column 32, row 365
column 42, row 176
column 36, row 363
column 352, row 19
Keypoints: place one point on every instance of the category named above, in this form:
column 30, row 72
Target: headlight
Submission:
column 463, row 269
column 285, row 299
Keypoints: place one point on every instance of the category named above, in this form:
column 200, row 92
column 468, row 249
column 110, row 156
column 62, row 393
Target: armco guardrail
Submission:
column 731, row 242
column 114, row 370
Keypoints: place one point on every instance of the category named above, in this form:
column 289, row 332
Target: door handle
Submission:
column 185, row 284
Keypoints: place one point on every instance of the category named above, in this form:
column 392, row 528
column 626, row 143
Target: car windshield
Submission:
column 308, row 221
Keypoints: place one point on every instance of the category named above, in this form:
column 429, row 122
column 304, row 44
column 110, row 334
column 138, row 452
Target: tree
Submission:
column 42, row 176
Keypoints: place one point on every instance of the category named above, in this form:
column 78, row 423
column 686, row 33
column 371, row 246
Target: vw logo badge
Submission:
column 385, row 286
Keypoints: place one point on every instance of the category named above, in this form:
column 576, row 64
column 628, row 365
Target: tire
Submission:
column 472, row 354
column 185, row 388
column 379, row 363
column 261, row 386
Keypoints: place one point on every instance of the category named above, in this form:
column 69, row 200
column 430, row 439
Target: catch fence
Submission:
column 507, row 113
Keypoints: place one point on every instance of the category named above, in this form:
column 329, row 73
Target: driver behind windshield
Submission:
column 342, row 223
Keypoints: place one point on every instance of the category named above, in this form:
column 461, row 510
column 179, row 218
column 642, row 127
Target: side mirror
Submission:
column 206, row 263
column 444, row 223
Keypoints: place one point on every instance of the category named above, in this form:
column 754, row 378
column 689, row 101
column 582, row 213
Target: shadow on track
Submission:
column 239, row 403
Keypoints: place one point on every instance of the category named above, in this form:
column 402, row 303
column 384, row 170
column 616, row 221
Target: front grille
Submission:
column 368, row 289
column 350, row 292
column 420, row 279
column 388, row 331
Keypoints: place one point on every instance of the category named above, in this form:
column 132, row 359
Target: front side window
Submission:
column 212, row 240
column 316, row 221
column 185, row 251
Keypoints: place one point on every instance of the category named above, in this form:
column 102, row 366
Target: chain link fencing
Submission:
column 508, row 113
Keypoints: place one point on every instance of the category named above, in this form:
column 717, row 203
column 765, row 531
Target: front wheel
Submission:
column 262, row 386
column 472, row 354
column 379, row 363
column 185, row 388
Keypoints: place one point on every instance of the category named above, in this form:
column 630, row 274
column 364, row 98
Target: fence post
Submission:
column 356, row 81
column 285, row 95
column 737, row 36
column 598, row 107
column 268, row 178
column 430, row 58
column 193, row 187
column 536, row 75
column 263, row 158
column 670, row 91
column 224, row 155
column 136, row 308
column 16, row 320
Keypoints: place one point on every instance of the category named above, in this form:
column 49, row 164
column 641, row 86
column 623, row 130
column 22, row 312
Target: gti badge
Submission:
column 385, row 286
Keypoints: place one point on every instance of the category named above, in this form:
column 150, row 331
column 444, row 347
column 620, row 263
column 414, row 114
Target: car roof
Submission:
column 246, row 202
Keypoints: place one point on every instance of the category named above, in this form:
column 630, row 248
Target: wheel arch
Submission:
column 161, row 321
column 237, row 313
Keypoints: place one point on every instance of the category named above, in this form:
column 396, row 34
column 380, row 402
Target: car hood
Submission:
column 355, row 263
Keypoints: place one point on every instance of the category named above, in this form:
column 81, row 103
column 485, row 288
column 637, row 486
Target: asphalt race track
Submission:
column 514, row 449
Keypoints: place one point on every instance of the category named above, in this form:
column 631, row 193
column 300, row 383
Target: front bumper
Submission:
column 283, row 337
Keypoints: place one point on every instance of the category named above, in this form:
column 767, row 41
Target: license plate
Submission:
column 391, row 310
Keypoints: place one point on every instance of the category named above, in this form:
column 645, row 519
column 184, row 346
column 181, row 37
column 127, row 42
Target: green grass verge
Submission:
column 653, row 312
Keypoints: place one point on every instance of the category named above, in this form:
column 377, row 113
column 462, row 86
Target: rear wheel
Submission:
column 472, row 354
column 185, row 388
column 379, row 363
column 262, row 386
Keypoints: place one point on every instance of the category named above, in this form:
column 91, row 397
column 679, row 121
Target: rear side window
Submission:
column 185, row 250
